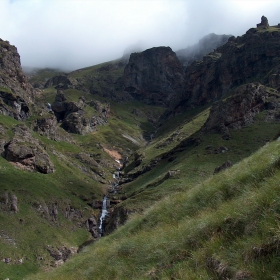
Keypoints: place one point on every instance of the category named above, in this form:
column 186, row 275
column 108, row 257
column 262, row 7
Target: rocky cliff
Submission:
column 255, row 56
column 240, row 109
column 16, row 94
column 154, row 76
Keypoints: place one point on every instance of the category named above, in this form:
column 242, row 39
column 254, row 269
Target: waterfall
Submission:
column 103, row 214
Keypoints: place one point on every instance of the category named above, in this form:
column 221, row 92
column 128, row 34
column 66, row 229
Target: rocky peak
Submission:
column 264, row 23
column 154, row 75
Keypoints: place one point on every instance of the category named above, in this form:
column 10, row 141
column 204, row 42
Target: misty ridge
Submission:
column 205, row 45
column 187, row 55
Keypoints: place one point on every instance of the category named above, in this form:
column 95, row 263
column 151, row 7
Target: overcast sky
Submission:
column 78, row 33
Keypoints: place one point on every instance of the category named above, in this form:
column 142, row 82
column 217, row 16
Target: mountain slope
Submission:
column 88, row 134
column 201, row 233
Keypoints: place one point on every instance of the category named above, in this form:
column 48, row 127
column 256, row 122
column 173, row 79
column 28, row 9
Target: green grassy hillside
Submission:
column 225, row 227
column 31, row 233
column 192, row 161
column 170, row 217
column 166, row 211
column 26, row 234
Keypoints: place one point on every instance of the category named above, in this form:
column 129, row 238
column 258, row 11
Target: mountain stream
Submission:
column 103, row 215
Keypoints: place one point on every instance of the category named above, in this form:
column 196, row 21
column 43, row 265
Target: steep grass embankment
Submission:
column 26, row 234
column 226, row 227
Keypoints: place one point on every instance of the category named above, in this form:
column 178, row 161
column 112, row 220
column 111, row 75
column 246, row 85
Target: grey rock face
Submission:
column 16, row 94
column 264, row 23
column 73, row 117
column 154, row 76
column 238, row 110
column 60, row 80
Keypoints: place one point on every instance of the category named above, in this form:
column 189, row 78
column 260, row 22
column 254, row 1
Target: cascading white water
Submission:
column 103, row 215
column 104, row 212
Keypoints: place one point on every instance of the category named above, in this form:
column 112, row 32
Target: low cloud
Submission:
column 72, row 34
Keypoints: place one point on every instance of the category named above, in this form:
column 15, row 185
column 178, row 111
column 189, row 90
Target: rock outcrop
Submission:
column 240, row 109
column 264, row 23
column 47, row 126
column 241, row 59
column 16, row 94
column 74, row 118
column 154, row 76
column 61, row 81
column 25, row 152
column 60, row 254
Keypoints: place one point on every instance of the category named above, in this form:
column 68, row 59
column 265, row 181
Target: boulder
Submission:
column 26, row 152
column 79, row 123
column 47, row 126
column 60, row 254
column 14, row 201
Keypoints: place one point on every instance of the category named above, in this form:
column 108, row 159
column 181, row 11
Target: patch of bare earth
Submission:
column 113, row 153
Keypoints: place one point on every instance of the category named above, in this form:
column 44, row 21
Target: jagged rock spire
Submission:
column 264, row 23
